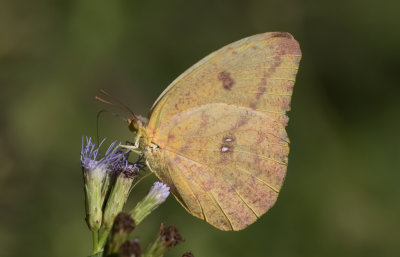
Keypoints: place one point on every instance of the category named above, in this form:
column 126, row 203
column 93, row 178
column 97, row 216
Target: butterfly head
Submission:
column 135, row 124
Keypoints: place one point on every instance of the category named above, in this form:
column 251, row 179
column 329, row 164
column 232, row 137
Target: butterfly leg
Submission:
column 132, row 148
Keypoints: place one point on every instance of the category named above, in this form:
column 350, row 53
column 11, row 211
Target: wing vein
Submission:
column 237, row 151
column 236, row 132
column 267, row 184
column 244, row 201
column 263, row 157
column 190, row 189
column 212, row 196
column 219, row 206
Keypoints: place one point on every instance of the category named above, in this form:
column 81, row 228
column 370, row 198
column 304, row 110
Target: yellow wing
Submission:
column 220, row 130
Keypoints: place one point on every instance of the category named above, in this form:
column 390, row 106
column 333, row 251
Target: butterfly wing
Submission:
column 220, row 128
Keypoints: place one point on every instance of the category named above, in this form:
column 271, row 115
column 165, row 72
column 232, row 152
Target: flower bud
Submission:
column 122, row 227
column 126, row 173
column 168, row 237
column 157, row 195
column 130, row 248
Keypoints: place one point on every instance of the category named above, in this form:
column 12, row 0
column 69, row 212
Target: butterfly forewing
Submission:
column 256, row 72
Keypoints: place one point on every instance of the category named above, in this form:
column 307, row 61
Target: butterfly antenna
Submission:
column 118, row 104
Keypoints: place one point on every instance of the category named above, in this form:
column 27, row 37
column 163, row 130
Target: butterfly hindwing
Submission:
column 227, row 163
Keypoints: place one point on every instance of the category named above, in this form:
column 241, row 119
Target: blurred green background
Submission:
column 341, row 195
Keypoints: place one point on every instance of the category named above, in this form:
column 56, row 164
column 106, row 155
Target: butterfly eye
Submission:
column 134, row 125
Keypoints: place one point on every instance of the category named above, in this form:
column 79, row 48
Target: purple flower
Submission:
column 90, row 155
column 125, row 172
column 157, row 195
column 125, row 168
column 128, row 169
column 96, row 178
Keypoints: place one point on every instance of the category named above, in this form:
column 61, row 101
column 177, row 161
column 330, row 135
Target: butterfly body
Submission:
column 217, row 134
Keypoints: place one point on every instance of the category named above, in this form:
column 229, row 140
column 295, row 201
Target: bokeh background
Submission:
column 341, row 195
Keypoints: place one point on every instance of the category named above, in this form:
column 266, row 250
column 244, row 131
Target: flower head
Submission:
column 131, row 248
column 95, row 173
column 125, row 168
column 125, row 173
column 123, row 225
column 157, row 195
column 90, row 153
column 170, row 236
column 167, row 238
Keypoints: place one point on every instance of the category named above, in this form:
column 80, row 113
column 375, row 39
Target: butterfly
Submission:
column 216, row 136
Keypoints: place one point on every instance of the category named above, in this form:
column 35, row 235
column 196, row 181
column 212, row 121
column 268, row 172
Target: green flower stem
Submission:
column 95, row 236
column 102, row 240
column 156, row 249
column 115, row 243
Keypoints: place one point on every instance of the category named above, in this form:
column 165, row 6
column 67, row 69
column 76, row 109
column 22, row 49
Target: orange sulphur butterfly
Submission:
column 216, row 136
